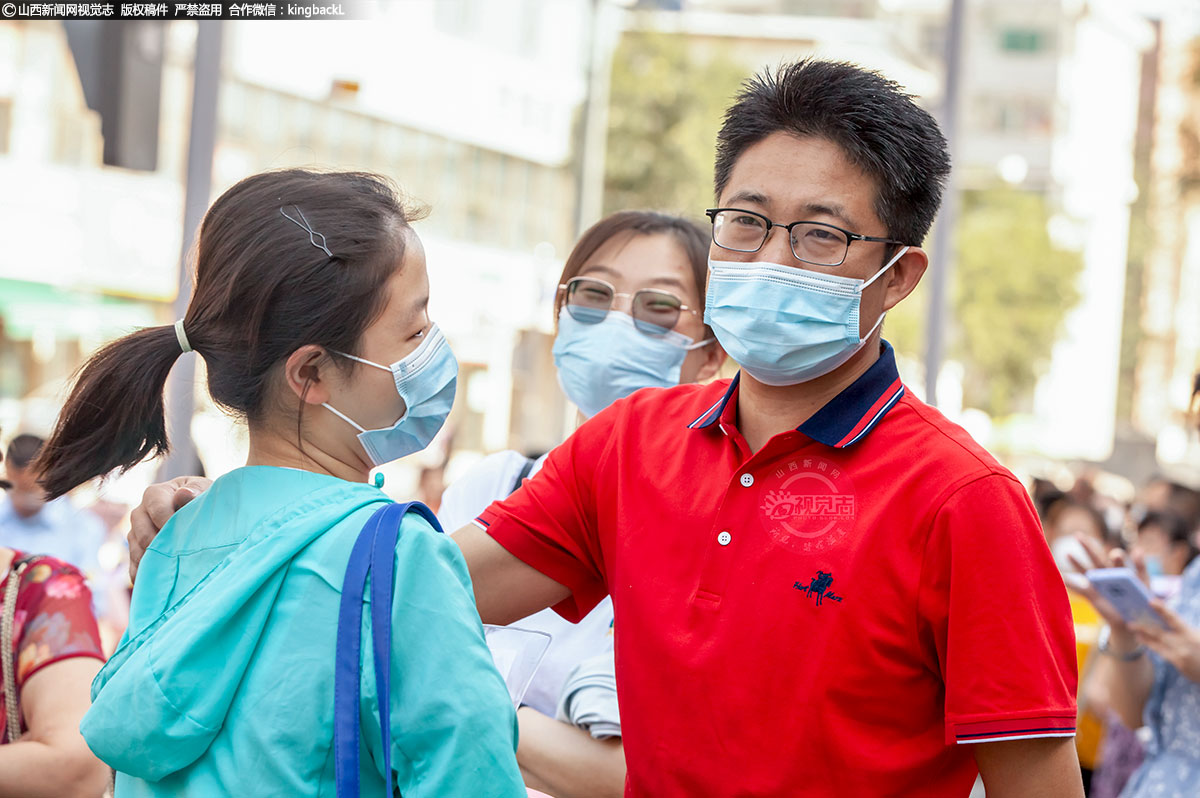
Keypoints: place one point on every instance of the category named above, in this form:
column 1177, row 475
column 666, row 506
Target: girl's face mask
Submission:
column 426, row 380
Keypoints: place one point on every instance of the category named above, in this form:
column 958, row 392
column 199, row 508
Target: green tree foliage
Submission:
column 666, row 105
column 1012, row 290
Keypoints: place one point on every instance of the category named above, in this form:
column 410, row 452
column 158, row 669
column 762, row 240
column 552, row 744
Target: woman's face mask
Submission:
column 1064, row 548
column 602, row 362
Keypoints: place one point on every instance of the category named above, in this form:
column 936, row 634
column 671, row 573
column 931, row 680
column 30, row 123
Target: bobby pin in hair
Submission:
column 304, row 225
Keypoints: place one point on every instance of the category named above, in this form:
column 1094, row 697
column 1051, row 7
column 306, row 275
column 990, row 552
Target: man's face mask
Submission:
column 785, row 325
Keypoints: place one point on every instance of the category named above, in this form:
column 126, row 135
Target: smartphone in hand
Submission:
column 1126, row 592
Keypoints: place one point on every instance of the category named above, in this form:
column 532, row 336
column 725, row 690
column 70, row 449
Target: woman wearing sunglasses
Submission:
column 630, row 310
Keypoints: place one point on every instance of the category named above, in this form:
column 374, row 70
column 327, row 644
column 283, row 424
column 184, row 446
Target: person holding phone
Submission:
column 1151, row 672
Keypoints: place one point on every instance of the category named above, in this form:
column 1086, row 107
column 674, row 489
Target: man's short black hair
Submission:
column 23, row 450
column 876, row 123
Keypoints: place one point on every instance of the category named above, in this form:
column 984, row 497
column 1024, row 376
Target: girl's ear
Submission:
column 303, row 371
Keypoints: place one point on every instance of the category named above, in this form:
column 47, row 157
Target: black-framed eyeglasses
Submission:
column 812, row 242
column 654, row 312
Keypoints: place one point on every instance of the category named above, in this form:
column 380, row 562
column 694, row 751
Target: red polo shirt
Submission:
column 835, row 614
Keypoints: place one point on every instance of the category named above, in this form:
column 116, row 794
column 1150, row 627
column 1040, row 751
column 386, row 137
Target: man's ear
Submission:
column 904, row 276
column 714, row 358
column 303, row 371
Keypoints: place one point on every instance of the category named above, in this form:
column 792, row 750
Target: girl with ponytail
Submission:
column 309, row 310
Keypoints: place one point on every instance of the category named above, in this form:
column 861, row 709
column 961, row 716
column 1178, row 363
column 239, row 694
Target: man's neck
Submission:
column 764, row 411
column 27, row 517
column 30, row 517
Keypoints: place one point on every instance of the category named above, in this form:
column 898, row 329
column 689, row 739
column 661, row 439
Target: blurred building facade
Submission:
column 1030, row 117
column 1163, row 312
column 1093, row 169
column 1119, row 165
column 761, row 34
column 470, row 107
column 88, row 252
column 473, row 107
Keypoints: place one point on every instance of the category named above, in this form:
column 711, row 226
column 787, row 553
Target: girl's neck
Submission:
column 270, row 449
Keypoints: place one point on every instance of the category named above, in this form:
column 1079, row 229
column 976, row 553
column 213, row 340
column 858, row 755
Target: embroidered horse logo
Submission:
column 819, row 587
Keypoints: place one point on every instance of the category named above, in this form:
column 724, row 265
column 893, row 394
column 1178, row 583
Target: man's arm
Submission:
column 566, row 761
column 159, row 503
column 1046, row 767
column 506, row 589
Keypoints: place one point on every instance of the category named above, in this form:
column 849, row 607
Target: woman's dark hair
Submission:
column 263, row 289
column 690, row 236
column 876, row 124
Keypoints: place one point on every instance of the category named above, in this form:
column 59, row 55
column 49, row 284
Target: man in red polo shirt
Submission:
column 821, row 586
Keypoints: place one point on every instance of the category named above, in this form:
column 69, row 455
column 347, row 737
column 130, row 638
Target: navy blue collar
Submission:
column 845, row 419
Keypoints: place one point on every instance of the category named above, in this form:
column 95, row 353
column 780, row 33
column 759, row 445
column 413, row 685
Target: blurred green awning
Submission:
column 28, row 308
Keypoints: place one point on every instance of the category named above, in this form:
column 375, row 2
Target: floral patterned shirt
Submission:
column 53, row 621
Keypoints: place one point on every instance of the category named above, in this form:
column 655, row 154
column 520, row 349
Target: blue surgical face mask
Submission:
column 606, row 361
column 1154, row 565
column 426, row 381
column 784, row 325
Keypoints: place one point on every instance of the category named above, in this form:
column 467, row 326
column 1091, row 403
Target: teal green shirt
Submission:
column 223, row 683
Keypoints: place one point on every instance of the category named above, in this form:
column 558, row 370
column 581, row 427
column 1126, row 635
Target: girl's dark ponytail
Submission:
column 114, row 417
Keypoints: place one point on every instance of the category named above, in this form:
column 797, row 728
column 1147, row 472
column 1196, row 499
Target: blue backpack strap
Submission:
column 383, row 560
column 373, row 553
column 347, row 657
column 426, row 513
